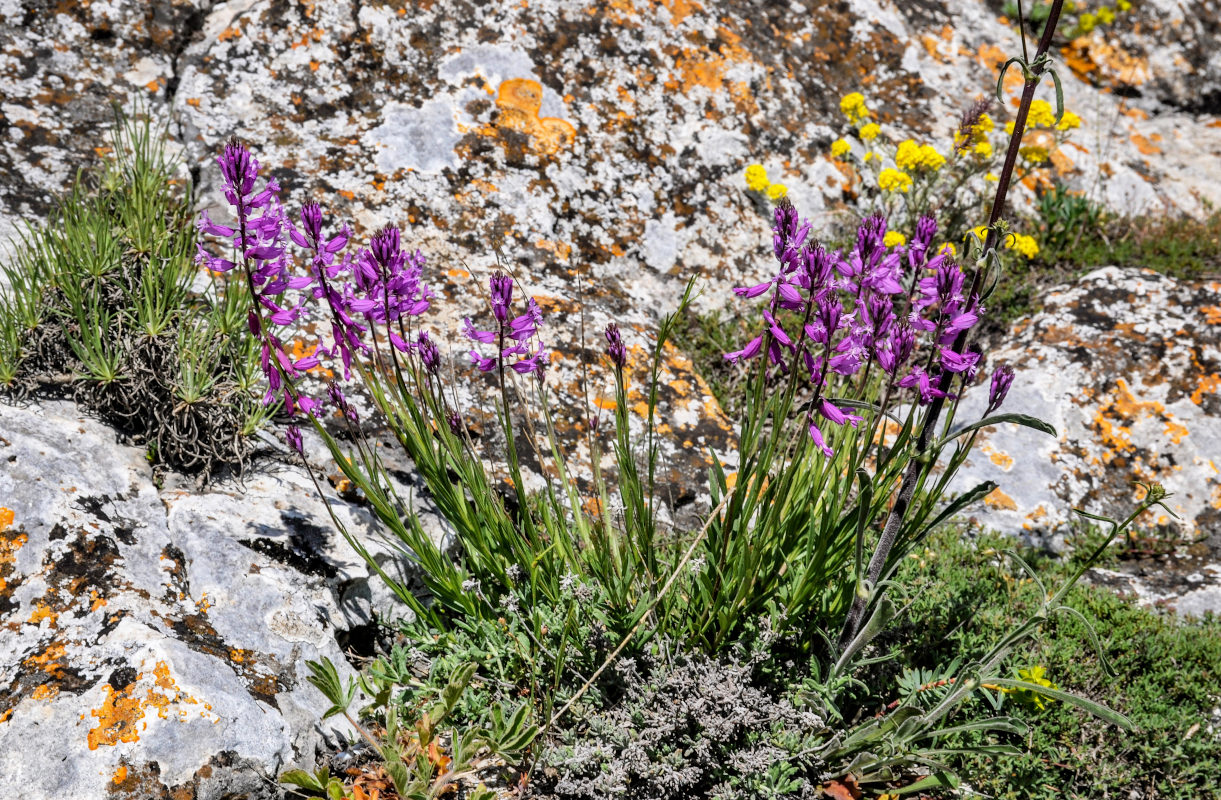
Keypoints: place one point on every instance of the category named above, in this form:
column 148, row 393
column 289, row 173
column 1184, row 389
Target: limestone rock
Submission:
column 155, row 643
column 1126, row 364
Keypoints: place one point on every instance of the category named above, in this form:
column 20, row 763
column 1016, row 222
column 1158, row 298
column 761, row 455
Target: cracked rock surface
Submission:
column 154, row 641
column 1126, row 364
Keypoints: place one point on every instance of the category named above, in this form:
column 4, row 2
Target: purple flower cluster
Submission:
column 513, row 336
column 870, row 305
column 380, row 287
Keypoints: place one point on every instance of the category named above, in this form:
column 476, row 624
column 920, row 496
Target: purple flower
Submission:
column 535, row 363
column 1002, row 379
column 919, row 378
column 835, row 414
column 456, row 426
column 615, row 347
column 502, row 295
column 819, row 441
column 752, row 349
column 293, row 437
column 957, row 362
column 481, row 362
column 430, row 354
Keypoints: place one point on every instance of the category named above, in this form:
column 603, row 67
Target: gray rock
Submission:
column 1125, row 363
column 154, row 641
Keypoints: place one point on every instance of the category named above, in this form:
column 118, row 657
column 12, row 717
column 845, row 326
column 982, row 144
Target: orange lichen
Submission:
column 44, row 692
column 1175, row 431
column 233, row 32
column 1208, row 384
column 42, row 611
column 680, row 10
column 1212, row 314
column 1145, row 146
column 120, row 774
column 998, row 499
column 116, row 718
column 1002, row 460
column 50, row 660
column 519, row 101
column 121, row 710
column 6, row 518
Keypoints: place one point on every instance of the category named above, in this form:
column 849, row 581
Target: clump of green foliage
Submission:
column 1077, row 234
column 1168, row 672
column 97, row 304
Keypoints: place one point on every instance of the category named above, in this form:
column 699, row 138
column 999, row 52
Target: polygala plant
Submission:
column 848, row 441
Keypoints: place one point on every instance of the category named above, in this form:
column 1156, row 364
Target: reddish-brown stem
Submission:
column 907, row 489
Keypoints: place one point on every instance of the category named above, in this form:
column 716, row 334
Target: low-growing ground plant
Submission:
column 563, row 616
column 98, row 304
column 963, row 589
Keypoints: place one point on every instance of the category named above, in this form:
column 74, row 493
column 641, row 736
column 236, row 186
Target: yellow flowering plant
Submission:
column 1079, row 18
column 906, row 179
column 758, row 182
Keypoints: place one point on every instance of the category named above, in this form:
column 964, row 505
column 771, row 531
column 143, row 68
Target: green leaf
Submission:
column 299, row 777
column 326, row 678
column 962, row 501
column 1018, row 419
column 997, row 724
column 1000, row 81
column 938, row 780
column 1055, row 78
column 1097, row 709
column 878, row 620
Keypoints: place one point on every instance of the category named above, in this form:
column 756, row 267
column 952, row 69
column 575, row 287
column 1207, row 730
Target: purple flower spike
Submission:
column 311, row 221
column 293, row 437
column 239, row 170
column 430, row 354
column 1002, row 379
column 917, row 252
column 385, row 246
column 456, row 427
column 615, row 347
column 502, row 295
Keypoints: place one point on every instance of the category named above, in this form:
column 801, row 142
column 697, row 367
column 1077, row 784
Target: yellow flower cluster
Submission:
column 869, row 131
column 756, row 178
column 893, row 239
column 840, row 148
column 891, row 180
column 1034, row 154
column 1068, row 122
column 1030, row 696
column 917, row 157
column 1041, row 114
column 853, row 106
column 1023, row 245
column 756, row 181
